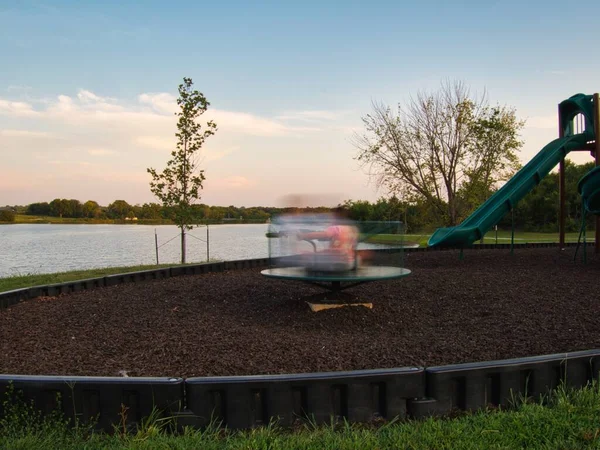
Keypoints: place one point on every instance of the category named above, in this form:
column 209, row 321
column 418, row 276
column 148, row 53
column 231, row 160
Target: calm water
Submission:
column 27, row 249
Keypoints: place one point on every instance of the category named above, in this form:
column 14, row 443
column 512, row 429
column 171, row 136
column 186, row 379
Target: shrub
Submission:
column 7, row 216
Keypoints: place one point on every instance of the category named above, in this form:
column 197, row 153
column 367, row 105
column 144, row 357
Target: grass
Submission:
column 24, row 218
column 504, row 237
column 27, row 219
column 23, row 281
column 525, row 237
column 569, row 420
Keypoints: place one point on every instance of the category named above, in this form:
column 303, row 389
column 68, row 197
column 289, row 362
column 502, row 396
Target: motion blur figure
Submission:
column 339, row 233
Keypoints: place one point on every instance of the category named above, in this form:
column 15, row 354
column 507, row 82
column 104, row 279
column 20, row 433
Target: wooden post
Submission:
column 561, row 188
column 597, row 158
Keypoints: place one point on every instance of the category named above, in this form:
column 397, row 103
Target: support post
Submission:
column 182, row 244
column 156, row 245
column 207, row 244
column 561, row 188
column 512, row 231
column 597, row 158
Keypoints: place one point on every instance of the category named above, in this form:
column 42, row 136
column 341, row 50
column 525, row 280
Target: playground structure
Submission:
column 579, row 125
column 299, row 251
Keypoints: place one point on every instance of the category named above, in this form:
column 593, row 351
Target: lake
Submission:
column 46, row 248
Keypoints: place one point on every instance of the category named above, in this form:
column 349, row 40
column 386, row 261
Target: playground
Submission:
column 458, row 305
column 488, row 306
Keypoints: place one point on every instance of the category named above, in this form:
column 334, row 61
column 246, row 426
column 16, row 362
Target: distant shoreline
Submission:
column 21, row 219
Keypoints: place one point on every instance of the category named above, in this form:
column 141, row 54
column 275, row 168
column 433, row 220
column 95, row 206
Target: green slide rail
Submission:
column 493, row 209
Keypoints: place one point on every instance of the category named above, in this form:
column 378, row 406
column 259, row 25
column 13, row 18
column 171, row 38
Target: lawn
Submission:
column 22, row 281
column 503, row 237
column 569, row 420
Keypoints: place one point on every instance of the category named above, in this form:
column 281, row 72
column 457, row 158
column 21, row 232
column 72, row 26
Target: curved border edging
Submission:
column 249, row 401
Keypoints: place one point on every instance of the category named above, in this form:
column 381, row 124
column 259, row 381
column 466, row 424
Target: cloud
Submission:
column 160, row 102
column 152, row 110
column 239, row 122
column 155, row 142
column 87, row 96
column 89, row 145
column 16, row 109
column 25, row 133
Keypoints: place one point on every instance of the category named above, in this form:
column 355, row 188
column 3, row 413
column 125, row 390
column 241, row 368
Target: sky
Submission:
column 88, row 89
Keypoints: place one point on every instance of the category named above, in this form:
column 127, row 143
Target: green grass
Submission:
column 568, row 421
column 27, row 219
column 24, row 218
column 525, row 238
column 22, row 281
column 504, row 237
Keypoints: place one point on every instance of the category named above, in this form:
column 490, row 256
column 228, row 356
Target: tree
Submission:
column 59, row 207
column 118, row 209
column 437, row 144
column 38, row 209
column 6, row 215
column 178, row 185
column 91, row 209
column 150, row 211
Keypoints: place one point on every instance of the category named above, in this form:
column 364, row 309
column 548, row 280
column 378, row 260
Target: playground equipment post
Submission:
column 561, row 188
column 597, row 158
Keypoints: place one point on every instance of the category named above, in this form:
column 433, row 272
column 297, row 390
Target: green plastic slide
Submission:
column 475, row 226
column 589, row 189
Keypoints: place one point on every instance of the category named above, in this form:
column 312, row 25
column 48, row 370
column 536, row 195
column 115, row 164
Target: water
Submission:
column 36, row 248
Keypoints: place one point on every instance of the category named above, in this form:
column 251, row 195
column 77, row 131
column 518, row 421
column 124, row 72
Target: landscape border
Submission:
column 241, row 402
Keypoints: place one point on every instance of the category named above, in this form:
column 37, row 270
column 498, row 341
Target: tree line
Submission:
column 121, row 210
column 538, row 211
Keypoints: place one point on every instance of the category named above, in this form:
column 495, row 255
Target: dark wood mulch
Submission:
column 491, row 305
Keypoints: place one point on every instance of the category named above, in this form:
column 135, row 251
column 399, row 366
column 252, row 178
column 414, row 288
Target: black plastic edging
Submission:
column 97, row 399
column 358, row 396
column 473, row 386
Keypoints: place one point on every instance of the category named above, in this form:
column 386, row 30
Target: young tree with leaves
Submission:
column 178, row 185
column 441, row 148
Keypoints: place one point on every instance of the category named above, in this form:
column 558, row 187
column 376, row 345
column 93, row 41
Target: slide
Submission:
column 589, row 189
column 474, row 227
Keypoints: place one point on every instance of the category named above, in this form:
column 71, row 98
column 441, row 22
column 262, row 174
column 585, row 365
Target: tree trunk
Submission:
column 182, row 245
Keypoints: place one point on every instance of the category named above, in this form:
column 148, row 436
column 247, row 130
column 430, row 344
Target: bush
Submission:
column 7, row 216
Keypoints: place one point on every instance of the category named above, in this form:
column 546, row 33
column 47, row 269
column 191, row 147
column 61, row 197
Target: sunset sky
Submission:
column 87, row 90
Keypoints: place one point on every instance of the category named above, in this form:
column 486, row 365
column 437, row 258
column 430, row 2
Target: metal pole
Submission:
column 207, row 245
column 512, row 231
column 561, row 188
column 597, row 158
column 156, row 245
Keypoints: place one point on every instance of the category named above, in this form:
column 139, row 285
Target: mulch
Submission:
column 490, row 305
